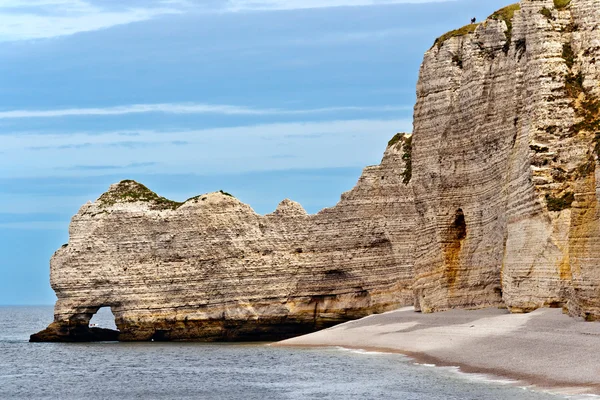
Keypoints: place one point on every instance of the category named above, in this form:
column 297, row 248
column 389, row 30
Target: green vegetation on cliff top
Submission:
column 407, row 157
column 129, row 191
column 505, row 14
column 397, row 137
column 546, row 12
column 406, row 141
column 560, row 4
column 465, row 30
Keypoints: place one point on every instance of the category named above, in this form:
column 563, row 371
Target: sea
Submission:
column 249, row 371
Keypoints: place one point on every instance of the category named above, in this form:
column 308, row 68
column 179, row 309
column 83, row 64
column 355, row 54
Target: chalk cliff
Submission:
column 505, row 162
column 213, row 269
column 493, row 201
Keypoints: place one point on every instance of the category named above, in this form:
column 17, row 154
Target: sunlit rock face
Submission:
column 504, row 163
column 492, row 202
column 213, row 269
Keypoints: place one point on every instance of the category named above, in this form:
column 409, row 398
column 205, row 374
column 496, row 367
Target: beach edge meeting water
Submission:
column 544, row 348
column 228, row 371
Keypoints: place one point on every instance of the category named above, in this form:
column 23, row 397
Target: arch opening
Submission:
column 103, row 318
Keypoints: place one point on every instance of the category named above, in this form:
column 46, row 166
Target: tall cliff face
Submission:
column 213, row 269
column 505, row 161
column 492, row 202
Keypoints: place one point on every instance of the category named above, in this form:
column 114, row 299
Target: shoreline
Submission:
column 544, row 349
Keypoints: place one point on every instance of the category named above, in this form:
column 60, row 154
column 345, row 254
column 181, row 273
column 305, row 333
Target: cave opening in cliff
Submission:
column 453, row 241
column 104, row 318
column 459, row 227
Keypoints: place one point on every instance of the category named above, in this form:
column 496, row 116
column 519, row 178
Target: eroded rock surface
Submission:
column 504, row 161
column 492, row 202
column 213, row 269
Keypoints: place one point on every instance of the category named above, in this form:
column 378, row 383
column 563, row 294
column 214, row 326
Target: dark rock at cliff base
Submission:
column 56, row 333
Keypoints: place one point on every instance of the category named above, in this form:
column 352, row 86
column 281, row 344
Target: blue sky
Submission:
column 266, row 99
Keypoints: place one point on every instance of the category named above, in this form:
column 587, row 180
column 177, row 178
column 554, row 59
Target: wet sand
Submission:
column 544, row 348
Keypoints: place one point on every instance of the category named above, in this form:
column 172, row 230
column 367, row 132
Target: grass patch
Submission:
column 568, row 55
column 397, row 138
column 587, row 109
column 506, row 14
column 560, row 203
column 406, row 141
column 561, row 4
column 129, row 191
column 574, row 84
column 225, row 193
column 589, row 112
column 546, row 12
column 465, row 30
column 407, row 158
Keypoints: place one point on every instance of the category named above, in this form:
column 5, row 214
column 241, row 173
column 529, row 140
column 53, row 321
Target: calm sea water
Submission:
column 223, row 371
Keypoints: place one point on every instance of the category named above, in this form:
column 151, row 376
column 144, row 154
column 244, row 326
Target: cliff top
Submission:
column 465, row 30
column 130, row 191
column 505, row 14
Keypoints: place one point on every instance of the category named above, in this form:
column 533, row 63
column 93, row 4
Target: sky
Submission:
column 265, row 99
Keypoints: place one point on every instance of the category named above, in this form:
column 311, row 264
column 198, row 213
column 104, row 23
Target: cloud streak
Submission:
column 113, row 167
column 41, row 19
column 187, row 108
column 267, row 5
column 324, row 144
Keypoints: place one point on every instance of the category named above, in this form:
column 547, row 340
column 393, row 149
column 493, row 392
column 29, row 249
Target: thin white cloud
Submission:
column 48, row 5
column 327, row 144
column 186, row 108
column 38, row 19
column 265, row 5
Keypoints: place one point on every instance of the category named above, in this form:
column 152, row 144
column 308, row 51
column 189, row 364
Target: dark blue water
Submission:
column 222, row 371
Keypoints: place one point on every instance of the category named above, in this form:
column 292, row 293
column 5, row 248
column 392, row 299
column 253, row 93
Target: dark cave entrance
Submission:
column 453, row 240
column 103, row 318
column 458, row 230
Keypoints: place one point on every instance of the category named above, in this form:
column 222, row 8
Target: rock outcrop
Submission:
column 212, row 269
column 505, row 136
column 493, row 203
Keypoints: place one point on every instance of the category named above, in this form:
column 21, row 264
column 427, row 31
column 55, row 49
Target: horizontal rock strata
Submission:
column 505, row 155
column 492, row 202
column 213, row 269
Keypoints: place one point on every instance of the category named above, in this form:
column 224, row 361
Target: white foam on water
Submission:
column 568, row 393
column 364, row 352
